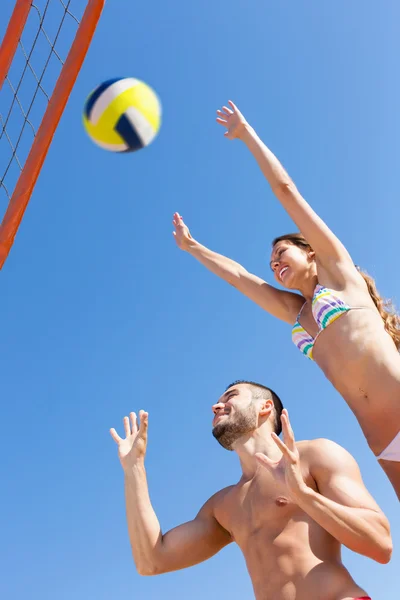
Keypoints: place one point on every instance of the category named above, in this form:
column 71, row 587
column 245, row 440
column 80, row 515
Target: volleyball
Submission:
column 122, row 115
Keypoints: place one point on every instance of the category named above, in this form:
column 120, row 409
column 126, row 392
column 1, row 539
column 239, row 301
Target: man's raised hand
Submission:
column 132, row 448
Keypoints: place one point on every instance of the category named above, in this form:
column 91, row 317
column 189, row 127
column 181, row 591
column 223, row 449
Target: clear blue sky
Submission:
column 102, row 314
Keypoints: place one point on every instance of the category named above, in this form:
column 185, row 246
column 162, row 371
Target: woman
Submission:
column 340, row 321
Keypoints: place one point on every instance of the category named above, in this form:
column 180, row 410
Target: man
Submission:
column 294, row 506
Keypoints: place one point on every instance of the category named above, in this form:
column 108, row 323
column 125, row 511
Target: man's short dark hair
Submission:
column 262, row 391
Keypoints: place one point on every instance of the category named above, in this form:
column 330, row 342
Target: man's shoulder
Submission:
column 322, row 450
column 217, row 499
column 317, row 443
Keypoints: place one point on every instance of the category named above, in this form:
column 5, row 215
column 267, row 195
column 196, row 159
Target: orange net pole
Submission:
column 11, row 38
column 27, row 180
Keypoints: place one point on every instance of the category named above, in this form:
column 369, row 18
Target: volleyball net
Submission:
column 41, row 54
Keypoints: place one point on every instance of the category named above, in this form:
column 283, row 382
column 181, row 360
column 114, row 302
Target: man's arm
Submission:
column 184, row 546
column 342, row 505
column 152, row 551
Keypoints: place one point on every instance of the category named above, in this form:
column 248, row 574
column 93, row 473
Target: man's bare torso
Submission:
column 288, row 555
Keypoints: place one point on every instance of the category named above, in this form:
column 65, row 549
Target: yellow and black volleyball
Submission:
column 122, row 115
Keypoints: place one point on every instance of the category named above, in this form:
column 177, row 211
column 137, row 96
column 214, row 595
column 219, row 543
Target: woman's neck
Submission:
column 308, row 285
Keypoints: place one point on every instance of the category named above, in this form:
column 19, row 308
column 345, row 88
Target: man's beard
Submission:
column 235, row 426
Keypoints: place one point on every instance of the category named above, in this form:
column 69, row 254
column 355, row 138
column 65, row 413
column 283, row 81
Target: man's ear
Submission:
column 266, row 408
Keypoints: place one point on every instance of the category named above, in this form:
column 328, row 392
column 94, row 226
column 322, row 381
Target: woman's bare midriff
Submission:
column 360, row 359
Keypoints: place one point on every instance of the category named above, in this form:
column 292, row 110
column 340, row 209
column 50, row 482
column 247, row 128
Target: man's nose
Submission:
column 216, row 407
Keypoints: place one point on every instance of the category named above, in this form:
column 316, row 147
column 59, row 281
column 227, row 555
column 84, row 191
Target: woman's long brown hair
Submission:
column 385, row 307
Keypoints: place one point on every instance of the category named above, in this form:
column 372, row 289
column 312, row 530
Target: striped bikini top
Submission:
column 326, row 308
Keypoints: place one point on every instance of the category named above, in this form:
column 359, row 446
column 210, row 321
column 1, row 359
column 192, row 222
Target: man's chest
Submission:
column 263, row 507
